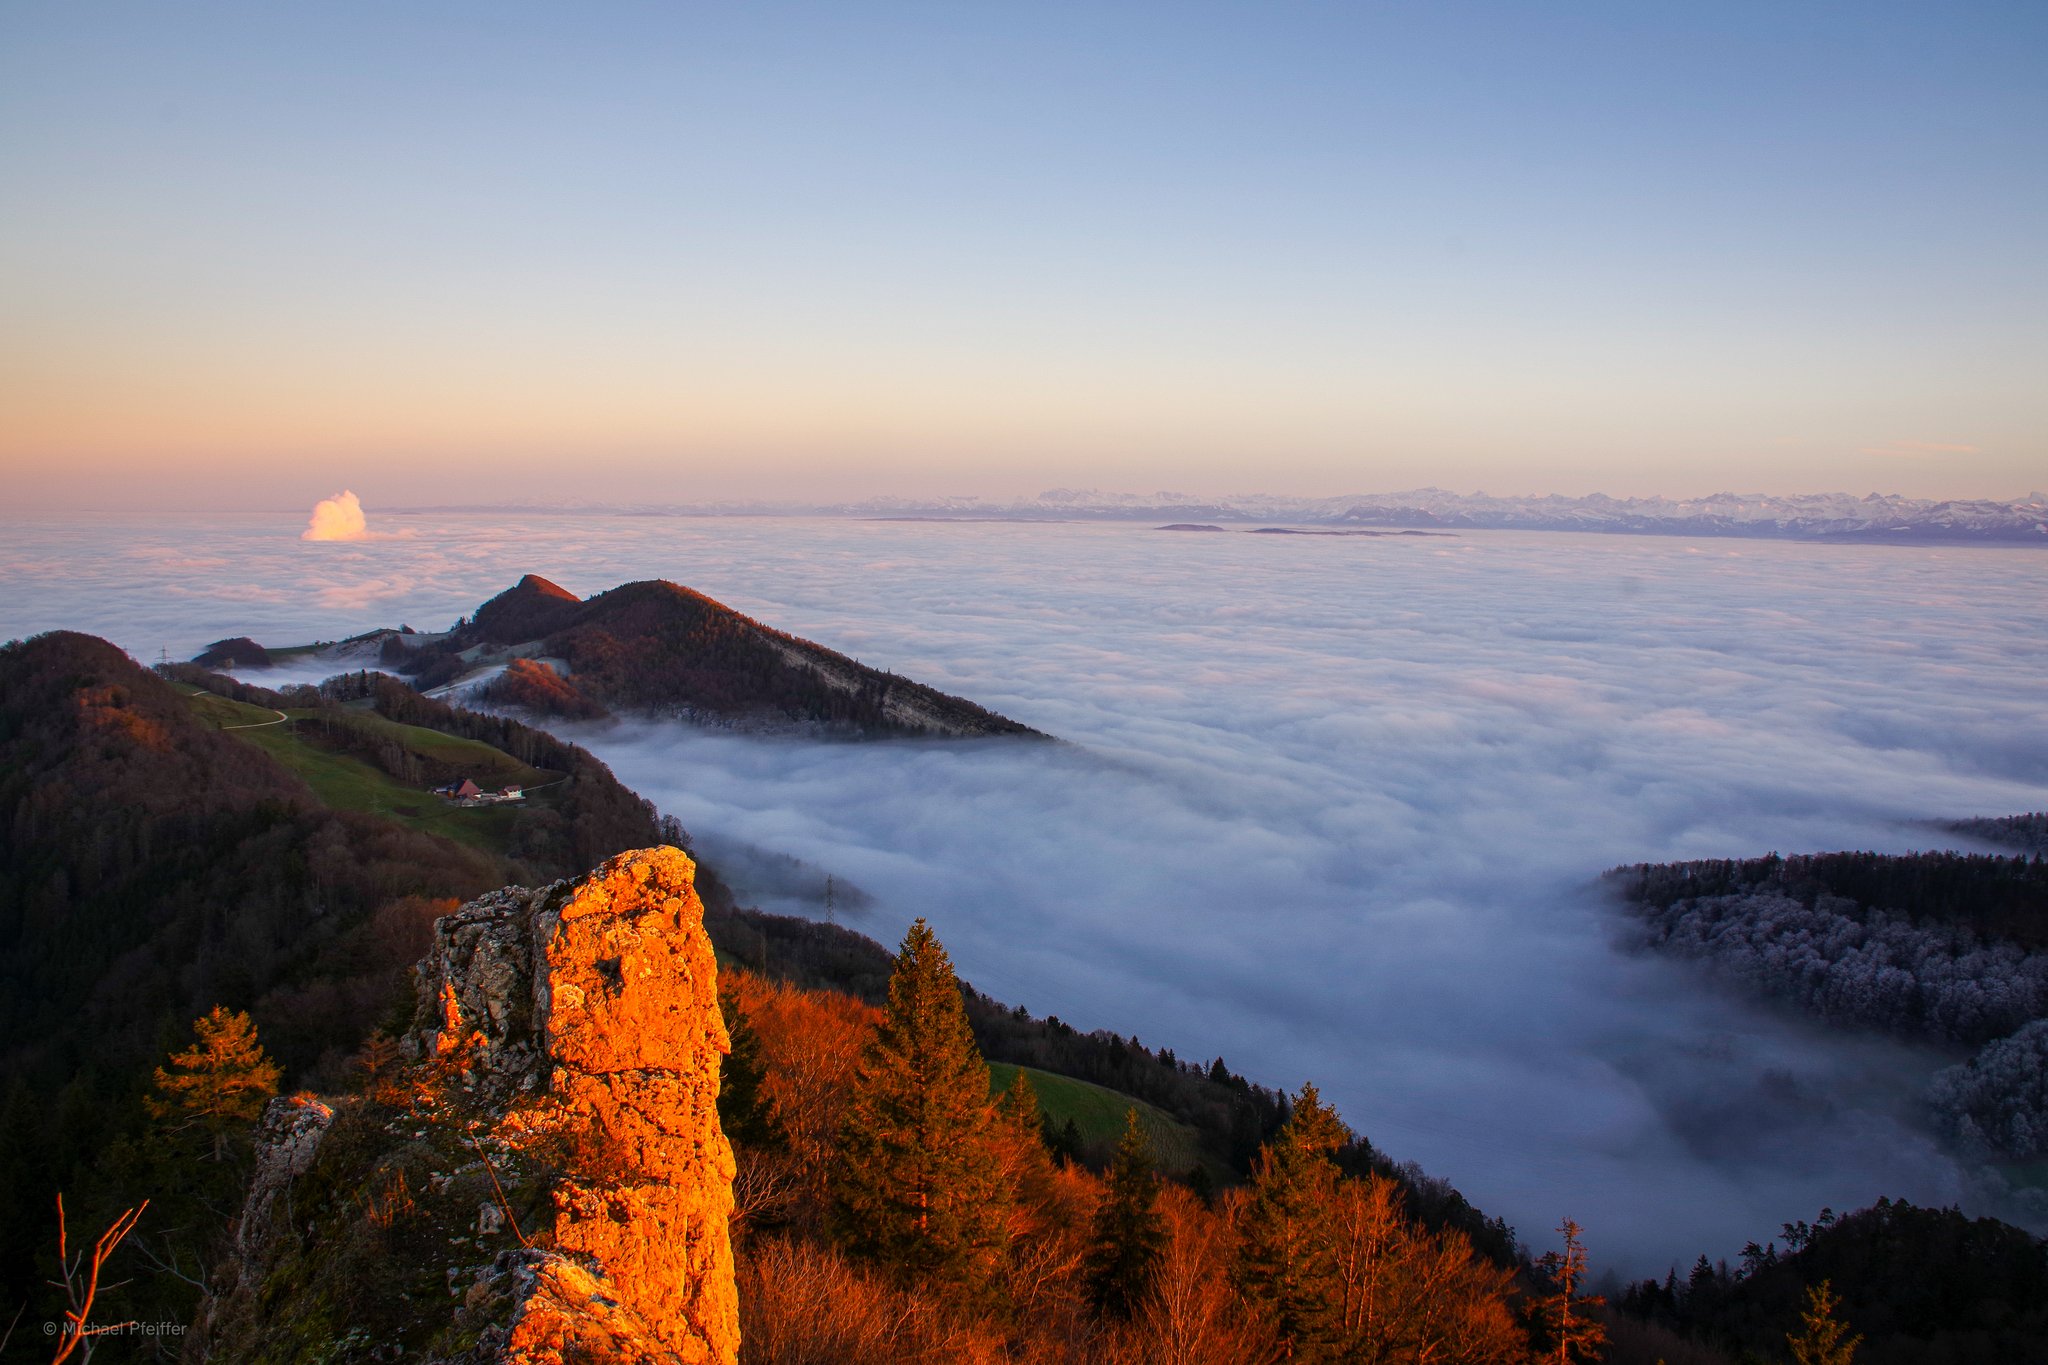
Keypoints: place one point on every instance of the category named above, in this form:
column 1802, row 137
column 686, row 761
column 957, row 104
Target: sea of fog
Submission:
column 1331, row 808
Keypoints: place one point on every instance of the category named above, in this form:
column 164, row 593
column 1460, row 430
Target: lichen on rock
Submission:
column 285, row 1147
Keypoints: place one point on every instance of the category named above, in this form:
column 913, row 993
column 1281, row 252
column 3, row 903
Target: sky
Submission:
column 1334, row 808
column 250, row 254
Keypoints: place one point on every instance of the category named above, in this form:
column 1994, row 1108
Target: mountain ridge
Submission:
column 653, row 646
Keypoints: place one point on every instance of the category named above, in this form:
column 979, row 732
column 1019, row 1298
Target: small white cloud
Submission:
column 337, row 518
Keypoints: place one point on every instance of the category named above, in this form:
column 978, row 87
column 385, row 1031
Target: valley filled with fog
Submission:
column 1332, row 808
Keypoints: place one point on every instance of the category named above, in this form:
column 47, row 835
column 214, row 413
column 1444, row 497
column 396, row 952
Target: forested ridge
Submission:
column 153, row 866
column 1996, row 896
column 1921, row 1286
column 2027, row 833
column 100, row 751
column 656, row 646
column 1941, row 945
column 892, row 1210
column 1234, row 1117
column 158, row 870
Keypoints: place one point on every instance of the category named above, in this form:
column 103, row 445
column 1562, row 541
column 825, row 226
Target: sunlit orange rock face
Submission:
column 595, row 1002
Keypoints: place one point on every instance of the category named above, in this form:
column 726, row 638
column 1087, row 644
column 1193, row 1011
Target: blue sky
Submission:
column 247, row 252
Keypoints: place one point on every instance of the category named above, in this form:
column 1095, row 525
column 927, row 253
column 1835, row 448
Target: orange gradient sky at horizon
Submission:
column 514, row 254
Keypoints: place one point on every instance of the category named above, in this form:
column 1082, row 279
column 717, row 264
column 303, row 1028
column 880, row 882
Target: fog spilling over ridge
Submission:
column 1330, row 807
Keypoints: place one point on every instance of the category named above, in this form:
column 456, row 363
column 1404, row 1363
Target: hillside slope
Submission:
column 1940, row 945
column 367, row 742
column 658, row 647
column 154, row 864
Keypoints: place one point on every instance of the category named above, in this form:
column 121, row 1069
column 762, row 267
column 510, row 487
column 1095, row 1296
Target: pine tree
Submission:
column 745, row 1112
column 1026, row 1162
column 918, row 1185
column 220, row 1084
column 1288, row 1252
column 1063, row 1140
column 1128, row 1237
column 1575, row 1334
column 1821, row 1343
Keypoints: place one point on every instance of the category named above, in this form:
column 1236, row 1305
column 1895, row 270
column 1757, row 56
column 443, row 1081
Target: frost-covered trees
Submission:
column 1865, row 967
column 1999, row 1098
column 1949, row 972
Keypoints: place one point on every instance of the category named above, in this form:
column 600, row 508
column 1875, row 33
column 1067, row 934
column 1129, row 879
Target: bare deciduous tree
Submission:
column 80, row 1282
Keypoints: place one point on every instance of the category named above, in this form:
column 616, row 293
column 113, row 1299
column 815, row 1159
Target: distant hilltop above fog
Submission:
column 651, row 647
column 1874, row 517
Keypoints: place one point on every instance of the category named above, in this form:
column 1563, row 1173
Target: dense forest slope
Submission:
column 154, row 864
column 536, row 1173
column 159, row 864
column 657, row 647
column 2027, row 833
column 1944, row 946
column 1921, row 1286
column 1230, row 1116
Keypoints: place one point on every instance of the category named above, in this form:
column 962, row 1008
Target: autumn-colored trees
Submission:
column 1408, row 1293
column 220, row 1084
column 1825, row 1339
column 954, row 1236
column 1566, row 1314
column 1340, row 1271
column 1288, row 1254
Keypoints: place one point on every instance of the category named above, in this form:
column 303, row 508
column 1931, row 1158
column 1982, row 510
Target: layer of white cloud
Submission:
column 1331, row 808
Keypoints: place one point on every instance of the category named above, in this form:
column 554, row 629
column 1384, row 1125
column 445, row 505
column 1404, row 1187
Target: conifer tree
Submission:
column 745, row 1112
column 1027, row 1164
column 1287, row 1259
column 1821, row 1343
column 1574, row 1333
column 918, row 1186
column 1063, row 1140
column 1128, row 1237
column 220, row 1084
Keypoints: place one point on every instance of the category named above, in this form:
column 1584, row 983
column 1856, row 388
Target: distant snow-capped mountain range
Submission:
column 1835, row 516
column 1807, row 516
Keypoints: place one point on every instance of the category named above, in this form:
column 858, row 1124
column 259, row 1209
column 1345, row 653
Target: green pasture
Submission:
column 1098, row 1112
column 346, row 782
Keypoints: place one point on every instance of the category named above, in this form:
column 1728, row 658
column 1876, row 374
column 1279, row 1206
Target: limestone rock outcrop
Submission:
column 604, row 993
column 293, row 1126
column 543, row 1180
